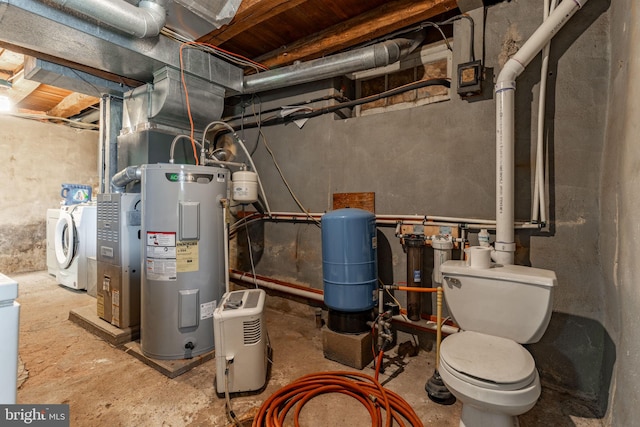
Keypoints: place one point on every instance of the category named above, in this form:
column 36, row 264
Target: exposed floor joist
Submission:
column 380, row 21
column 72, row 105
column 250, row 13
column 21, row 89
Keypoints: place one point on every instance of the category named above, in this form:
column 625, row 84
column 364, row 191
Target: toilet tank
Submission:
column 510, row 301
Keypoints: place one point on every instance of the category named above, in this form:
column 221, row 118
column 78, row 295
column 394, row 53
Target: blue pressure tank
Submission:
column 349, row 260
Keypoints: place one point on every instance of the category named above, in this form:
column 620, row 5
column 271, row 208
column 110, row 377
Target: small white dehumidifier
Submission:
column 240, row 337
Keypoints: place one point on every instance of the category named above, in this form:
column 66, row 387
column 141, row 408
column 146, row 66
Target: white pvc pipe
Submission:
column 437, row 218
column 225, row 230
column 505, row 131
column 539, row 209
column 390, row 218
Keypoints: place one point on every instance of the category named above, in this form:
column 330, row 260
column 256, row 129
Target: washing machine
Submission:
column 75, row 242
column 52, row 220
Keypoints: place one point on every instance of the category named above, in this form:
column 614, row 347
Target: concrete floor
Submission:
column 106, row 386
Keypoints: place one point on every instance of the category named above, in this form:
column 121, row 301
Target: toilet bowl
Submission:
column 494, row 375
column 485, row 366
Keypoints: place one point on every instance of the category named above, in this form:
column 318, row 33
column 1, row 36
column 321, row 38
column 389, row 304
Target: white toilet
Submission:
column 484, row 366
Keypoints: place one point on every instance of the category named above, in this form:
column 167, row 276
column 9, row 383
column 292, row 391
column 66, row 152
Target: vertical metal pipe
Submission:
column 414, row 276
column 111, row 109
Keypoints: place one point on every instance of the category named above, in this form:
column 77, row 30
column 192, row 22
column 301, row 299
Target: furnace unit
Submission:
column 119, row 262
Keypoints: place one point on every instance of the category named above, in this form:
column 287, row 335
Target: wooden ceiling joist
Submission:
column 250, row 13
column 383, row 20
column 21, row 89
column 72, row 105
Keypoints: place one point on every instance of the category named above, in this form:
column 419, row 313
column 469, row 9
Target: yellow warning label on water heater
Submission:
column 187, row 257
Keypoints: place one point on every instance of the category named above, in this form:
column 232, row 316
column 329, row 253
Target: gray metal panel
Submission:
column 60, row 76
column 189, row 213
column 188, row 308
column 119, row 257
column 30, row 23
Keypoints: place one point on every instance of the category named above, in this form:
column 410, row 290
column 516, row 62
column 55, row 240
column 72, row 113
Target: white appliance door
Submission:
column 65, row 240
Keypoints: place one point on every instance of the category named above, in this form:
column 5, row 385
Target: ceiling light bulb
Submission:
column 5, row 104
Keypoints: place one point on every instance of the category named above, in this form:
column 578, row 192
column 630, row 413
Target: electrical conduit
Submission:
column 505, row 131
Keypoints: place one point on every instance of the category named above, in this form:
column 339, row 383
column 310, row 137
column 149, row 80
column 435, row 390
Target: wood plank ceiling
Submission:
column 272, row 32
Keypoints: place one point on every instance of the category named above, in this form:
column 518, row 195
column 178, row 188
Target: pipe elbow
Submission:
column 154, row 16
column 124, row 177
column 507, row 77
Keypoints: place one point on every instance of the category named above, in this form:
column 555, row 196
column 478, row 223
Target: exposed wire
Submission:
column 472, row 53
column 279, row 119
column 253, row 266
column 286, row 183
column 230, row 414
column 216, row 51
column 332, row 97
column 41, row 117
column 209, row 48
column 436, row 25
column 186, row 97
column 259, row 121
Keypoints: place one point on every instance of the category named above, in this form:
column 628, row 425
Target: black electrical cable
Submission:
column 339, row 98
column 276, row 120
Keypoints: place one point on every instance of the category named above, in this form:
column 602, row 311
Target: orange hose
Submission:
column 364, row 388
column 379, row 363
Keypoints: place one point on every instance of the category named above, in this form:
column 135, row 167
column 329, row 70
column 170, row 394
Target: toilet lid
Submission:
column 488, row 358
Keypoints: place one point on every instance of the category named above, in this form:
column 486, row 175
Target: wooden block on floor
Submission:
column 87, row 318
column 170, row 368
column 349, row 349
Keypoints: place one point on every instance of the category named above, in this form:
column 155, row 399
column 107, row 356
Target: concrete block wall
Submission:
column 36, row 159
column 439, row 159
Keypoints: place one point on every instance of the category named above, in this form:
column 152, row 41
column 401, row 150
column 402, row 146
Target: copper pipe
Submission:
column 414, row 289
column 438, row 326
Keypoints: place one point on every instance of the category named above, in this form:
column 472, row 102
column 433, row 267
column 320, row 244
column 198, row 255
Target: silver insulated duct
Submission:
column 374, row 56
column 144, row 20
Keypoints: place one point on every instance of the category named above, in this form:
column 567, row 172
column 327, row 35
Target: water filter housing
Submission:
column 183, row 274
